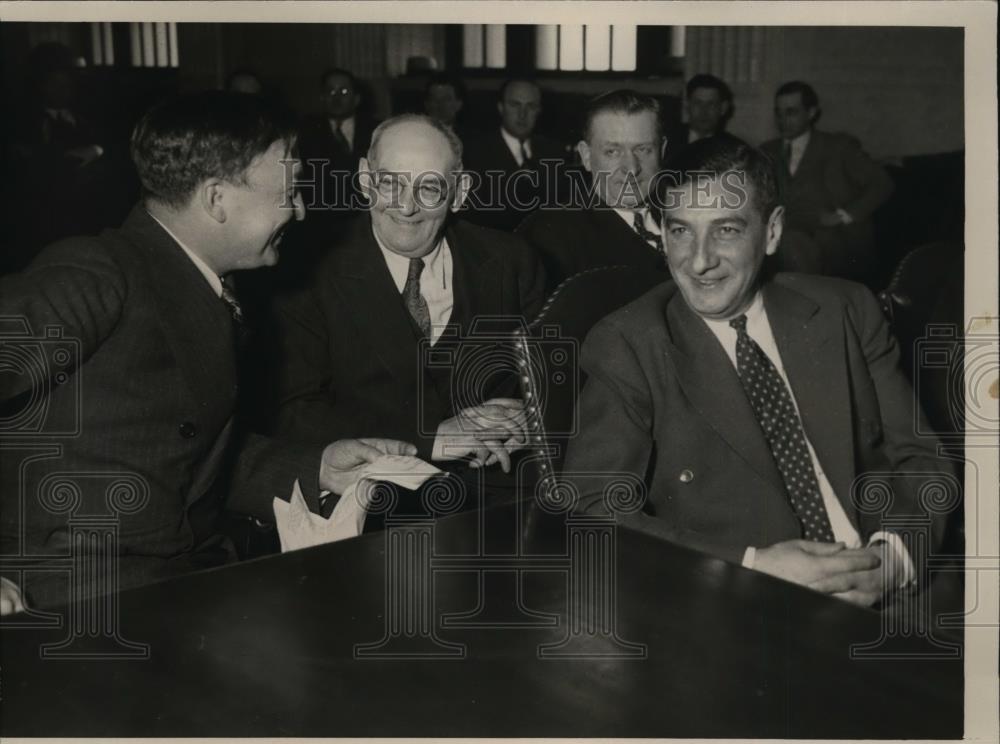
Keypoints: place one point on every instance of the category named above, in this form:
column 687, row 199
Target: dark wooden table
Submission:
column 271, row 648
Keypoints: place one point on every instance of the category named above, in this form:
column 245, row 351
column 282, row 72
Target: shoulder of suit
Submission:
column 644, row 315
column 826, row 290
column 487, row 239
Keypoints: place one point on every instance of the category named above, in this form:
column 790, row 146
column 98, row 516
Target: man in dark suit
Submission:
column 754, row 407
column 830, row 188
column 331, row 143
column 708, row 101
column 512, row 166
column 612, row 223
column 383, row 341
column 135, row 380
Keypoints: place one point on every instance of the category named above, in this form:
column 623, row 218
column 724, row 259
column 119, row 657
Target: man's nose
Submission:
column 407, row 200
column 704, row 258
column 630, row 163
column 299, row 207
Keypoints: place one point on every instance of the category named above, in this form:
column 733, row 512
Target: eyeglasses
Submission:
column 430, row 190
column 337, row 92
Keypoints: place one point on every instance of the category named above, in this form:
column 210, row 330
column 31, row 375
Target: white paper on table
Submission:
column 299, row 528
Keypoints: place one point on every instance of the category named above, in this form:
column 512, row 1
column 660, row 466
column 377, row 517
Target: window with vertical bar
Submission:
column 153, row 44
column 484, row 46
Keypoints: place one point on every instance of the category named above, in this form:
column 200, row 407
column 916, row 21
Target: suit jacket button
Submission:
column 686, row 476
column 187, row 430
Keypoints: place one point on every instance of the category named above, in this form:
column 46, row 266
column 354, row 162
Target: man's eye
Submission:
column 676, row 230
column 728, row 231
column 612, row 152
column 431, row 195
column 644, row 150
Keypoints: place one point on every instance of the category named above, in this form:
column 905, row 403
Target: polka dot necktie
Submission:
column 772, row 404
column 415, row 302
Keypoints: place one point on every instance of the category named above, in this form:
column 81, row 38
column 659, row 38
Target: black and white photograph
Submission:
column 499, row 370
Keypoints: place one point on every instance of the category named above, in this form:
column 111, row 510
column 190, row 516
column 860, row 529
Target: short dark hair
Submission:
column 339, row 71
column 716, row 156
column 511, row 80
column 809, row 97
column 621, row 101
column 704, row 80
column 444, row 78
column 184, row 140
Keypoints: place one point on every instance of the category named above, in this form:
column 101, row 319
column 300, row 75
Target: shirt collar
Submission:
column 210, row 276
column 800, row 142
column 754, row 313
column 514, row 144
column 400, row 265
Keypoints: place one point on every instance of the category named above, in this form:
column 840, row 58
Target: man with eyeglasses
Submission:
column 384, row 340
column 331, row 142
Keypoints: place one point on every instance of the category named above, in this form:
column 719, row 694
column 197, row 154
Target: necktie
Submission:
column 416, row 305
column 786, row 151
column 229, row 297
column 340, row 137
column 772, row 404
column 639, row 223
column 525, row 155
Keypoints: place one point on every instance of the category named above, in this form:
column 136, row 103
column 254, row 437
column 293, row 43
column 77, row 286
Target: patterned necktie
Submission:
column 772, row 404
column 415, row 302
column 229, row 297
column 651, row 238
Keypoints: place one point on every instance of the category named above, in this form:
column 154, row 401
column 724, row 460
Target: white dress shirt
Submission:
column 759, row 329
column 210, row 276
column 514, row 145
column 346, row 129
column 435, row 282
column 799, row 145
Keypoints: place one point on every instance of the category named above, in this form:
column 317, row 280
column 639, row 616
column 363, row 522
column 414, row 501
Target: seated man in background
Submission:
column 383, row 341
column 621, row 148
column 708, row 102
column 750, row 403
column 512, row 165
column 830, row 188
column 142, row 328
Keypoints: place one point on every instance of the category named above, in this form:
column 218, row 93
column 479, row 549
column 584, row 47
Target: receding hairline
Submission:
column 418, row 120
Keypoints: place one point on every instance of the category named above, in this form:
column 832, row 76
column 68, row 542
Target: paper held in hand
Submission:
column 300, row 528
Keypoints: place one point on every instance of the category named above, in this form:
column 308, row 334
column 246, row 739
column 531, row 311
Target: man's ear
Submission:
column 367, row 179
column 211, row 197
column 775, row 227
column 462, row 185
column 583, row 150
column 726, row 107
column 813, row 114
column 500, row 108
column 663, row 146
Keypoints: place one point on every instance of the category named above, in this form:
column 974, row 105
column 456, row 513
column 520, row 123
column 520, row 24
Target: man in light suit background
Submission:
column 830, row 188
column 375, row 343
column 749, row 403
column 153, row 385
column 622, row 147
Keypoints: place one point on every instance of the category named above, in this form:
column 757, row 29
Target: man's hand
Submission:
column 865, row 588
column 10, row 598
column 811, row 563
column 489, row 432
column 85, row 155
column 344, row 458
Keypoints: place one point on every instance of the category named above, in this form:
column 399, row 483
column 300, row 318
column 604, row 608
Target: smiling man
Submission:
column 612, row 224
column 377, row 343
column 752, row 404
column 145, row 324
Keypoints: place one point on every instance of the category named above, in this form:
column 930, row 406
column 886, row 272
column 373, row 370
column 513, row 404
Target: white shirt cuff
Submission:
column 897, row 544
column 749, row 557
column 845, row 216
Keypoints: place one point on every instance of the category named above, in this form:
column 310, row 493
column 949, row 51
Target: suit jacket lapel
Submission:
column 477, row 283
column 810, row 339
column 710, row 381
column 363, row 280
column 196, row 323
